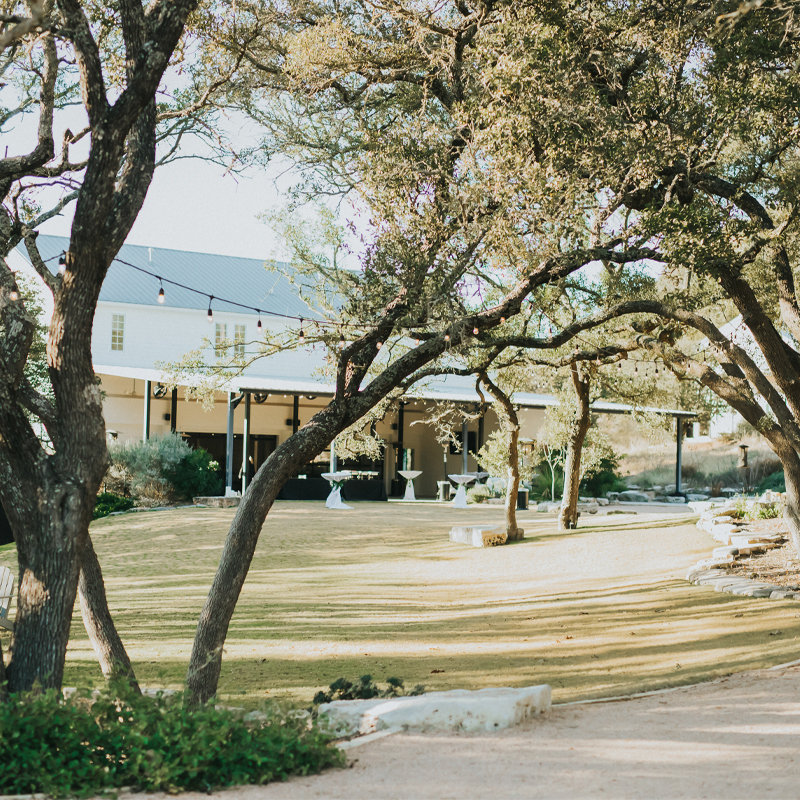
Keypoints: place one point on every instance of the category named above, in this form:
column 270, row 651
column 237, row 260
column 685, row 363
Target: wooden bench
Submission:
column 6, row 593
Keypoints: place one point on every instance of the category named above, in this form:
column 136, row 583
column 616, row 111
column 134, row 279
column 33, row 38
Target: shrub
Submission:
column 479, row 493
column 775, row 482
column 603, row 478
column 85, row 746
column 108, row 502
column 364, row 689
column 161, row 470
column 195, row 474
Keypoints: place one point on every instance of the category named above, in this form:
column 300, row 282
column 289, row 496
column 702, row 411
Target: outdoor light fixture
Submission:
column 378, row 345
column 475, row 331
column 447, row 337
column 302, row 337
column 62, row 263
column 341, row 341
column 259, row 326
column 161, row 292
column 210, row 314
column 13, row 295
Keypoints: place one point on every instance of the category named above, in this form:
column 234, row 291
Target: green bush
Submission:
column 603, row 478
column 85, row 746
column 364, row 689
column 161, row 470
column 195, row 474
column 108, row 502
column 775, row 482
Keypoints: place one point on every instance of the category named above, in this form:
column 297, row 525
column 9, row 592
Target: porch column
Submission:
column 146, row 420
column 246, row 442
column 464, row 440
column 173, row 411
column 399, row 461
column 229, row 447
column 678, row 453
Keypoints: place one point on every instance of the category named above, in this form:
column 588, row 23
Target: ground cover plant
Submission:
column 88, row 744
column 601, row 610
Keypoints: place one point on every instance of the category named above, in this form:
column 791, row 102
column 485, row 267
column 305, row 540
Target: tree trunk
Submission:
column 568, row 516
column 791, row 509
column 510, row 421
column 313, row 438
column 48, row 569
column 111, row 653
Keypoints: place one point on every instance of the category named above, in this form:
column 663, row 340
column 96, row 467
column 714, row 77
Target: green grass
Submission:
column 599, row 611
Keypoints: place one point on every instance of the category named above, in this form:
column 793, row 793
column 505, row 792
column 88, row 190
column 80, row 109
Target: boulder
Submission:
column 631, row 496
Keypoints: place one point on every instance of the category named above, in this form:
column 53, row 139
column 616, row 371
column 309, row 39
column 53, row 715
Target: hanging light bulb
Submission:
column 62, row 263
column 502, row 320
column 259, row 326
column 341, row 341
column 619, row 365
column 475, row 331
column 378, row 345
column 636, row 368
column 13, row 295
column 447, row 337
column 301, row 337
column 210, row 314
column 417, row 340
column 161, row 297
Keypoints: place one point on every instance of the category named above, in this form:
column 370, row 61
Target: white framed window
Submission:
column 239, row 337
column 117, row 331
column 220, row 337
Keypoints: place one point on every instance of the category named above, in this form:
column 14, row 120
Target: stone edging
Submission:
column 736, row 542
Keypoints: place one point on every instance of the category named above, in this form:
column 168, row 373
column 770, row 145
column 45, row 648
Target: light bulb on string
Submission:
column 62, row 263
column 259, row 326
column 447, row 337
column 13, row 295
column 378, row 345
column 502, row 320
column 636, row 369
column 301, row 337
column 475, row 331
column 210, row 314
column 161, row 296
column 341, row 341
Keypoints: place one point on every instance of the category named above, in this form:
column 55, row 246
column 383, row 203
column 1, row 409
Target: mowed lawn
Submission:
column 600, row 611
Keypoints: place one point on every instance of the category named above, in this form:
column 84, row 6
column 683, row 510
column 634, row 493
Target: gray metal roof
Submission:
column 244, row 280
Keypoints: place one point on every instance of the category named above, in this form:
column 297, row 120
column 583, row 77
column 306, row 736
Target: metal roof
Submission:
column 254, row 283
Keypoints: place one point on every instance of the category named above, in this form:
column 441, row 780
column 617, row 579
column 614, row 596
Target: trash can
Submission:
column 522, row 499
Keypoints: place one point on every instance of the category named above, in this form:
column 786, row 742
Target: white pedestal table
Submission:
column 409, row 475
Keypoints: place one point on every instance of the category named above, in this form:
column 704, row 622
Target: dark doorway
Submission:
column 261, row 446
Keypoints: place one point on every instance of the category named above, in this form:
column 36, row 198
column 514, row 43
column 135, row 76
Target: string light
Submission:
column 341, row 341
column 259, row 326
column 13, row 295
column 447, row 337
column 62, row 263
column 210, row 314
column 161, row 297
column 301, row 337
column 475, row 331
column 378, row 345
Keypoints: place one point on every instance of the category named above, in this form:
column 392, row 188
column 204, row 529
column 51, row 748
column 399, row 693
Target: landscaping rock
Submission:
column 631, row 496
column 480, row 535
column 459, row 709
column 691, row 497
column 676, row 498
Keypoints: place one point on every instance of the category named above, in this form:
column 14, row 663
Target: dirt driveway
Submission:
column 737, row 738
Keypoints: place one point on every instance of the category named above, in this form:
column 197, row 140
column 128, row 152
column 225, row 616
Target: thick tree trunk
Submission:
column 111, row 653
column 791, row 510
column 568, row 515
column 48, row 580
column 313, row 438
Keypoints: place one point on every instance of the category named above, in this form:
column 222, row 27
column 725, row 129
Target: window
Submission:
column 117, row 331
column 239, row 335
column 220, row 337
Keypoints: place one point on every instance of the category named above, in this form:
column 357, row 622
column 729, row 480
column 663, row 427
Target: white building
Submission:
column 135, row 334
